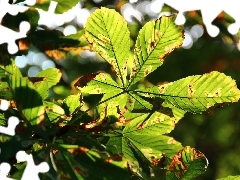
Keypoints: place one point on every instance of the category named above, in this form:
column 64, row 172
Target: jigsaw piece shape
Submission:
column 209, row 10
column 31, row 169
column 10, row 129
column 9, row 36
column 4, row 170
column 13, row 9
column 4, row 104
column 52, row 20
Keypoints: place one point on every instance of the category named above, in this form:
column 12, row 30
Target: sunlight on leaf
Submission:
column 97, row 84
column 155, row 41
column 198, row 93
column 107, row 32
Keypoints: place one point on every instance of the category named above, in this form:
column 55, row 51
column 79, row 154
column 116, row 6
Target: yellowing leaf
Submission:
column 107, row 32
column 154, row 42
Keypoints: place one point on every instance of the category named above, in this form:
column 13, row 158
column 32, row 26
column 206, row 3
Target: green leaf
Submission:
column 53, row 111
column 28, row 100
column 107, row 31
column 118, row 145
column 5, row 91
column 10, row 69
column 198, row 93
column 71, row 103
column 135, row 102
column 155, row 41
column 62, row 6
column 188, row 163
column 97, row 84
column 230, row 178
column 45, row 79
column 147, row 134
column 51, row 75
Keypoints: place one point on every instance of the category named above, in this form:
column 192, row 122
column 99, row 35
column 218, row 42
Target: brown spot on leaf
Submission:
column 180, row 162
column 160, row 162
column 104, row 38
column 191, row 91
column 142, row 125
column 83, row 80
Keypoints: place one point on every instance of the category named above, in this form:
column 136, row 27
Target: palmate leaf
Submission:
column 155, row 40
column 197, row 93
column 107, row 32
column 188, row 163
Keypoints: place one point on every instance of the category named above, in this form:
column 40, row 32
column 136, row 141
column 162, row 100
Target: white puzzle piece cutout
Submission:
column 52, row 20
column 31, row 169
column 4, row 170
column 209, row 10
column 8, row 35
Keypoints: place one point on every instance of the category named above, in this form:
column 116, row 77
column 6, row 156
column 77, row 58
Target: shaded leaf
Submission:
column 230, row 178
column 62, row 5
column 5, row 91
column 155, row 41
column 188, row 163
column 29, row 102
column 91, row 164
column 107, row 32
column 57, row 46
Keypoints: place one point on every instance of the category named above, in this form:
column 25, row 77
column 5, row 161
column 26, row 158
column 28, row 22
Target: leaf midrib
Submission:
column 148, row 55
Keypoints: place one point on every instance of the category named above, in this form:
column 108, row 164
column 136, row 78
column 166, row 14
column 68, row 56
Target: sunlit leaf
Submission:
column 155, row 41
column 188, row 163
column 51, row 75
column 45, row 79
column 146, row 135
column 97, row 84
column 53, row 111
column 198, row 93
column 71, row 103
column 107, row 32
column 9, row 69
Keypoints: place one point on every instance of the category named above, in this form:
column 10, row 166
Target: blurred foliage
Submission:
column 215, row 133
